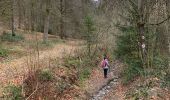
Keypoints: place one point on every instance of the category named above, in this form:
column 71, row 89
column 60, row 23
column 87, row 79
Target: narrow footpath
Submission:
column 107, row 89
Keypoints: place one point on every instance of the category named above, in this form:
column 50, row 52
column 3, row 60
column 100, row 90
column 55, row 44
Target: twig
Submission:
column 161, row 21
column 22, row 85
column 33, row 92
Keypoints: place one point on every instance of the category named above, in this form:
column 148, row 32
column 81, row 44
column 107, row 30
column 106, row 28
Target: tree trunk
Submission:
column 12, row 18
column 19, row 14
column 46, row 26
column 141, row 31
column 168, row 14
column 61, row 28
column 32, row 17
column 62, row 35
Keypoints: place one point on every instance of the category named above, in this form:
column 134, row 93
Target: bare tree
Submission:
column 12, row 18
column 19, row 3
column 62, row 11
column 168, row 14
column 141, row 29
column 47, row 21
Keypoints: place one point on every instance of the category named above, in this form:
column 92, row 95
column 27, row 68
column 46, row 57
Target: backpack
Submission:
column 103, row 63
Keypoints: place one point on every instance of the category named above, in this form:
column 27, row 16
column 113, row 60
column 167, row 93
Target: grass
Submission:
column 44, row 45
column 81, row 66
column 84, row 74
column 11, row 51
column 8, row 37
column 13, row 92
column 141, row 92
column 45, row 75
column 3, row 52
column 13, row 48
column 71, row 62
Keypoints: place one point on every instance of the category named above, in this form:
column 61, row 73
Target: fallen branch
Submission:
column 33, row 92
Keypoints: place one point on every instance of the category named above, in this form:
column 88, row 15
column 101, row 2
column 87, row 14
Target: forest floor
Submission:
column 13, row 69
column 96, row 87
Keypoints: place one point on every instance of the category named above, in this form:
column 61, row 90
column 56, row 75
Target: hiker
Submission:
column 105, row 66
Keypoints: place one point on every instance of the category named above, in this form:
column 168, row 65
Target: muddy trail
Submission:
column 107, row 86
column 105, row 89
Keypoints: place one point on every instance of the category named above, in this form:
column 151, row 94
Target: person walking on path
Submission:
column 105, row 66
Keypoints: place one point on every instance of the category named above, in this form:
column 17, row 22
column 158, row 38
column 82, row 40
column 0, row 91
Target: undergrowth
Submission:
column 13, row 92
column 45, row 75
column 82, row 63
column 47, row 44
column 8, row 37
column 83, row 68
column 3, row 52
column 127, row 51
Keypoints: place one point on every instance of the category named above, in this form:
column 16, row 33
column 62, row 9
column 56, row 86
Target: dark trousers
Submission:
column 105, row 73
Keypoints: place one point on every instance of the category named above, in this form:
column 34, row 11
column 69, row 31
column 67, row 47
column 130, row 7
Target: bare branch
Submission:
column 161, row 21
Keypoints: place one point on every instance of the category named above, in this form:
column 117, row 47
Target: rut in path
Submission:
column 14, row 68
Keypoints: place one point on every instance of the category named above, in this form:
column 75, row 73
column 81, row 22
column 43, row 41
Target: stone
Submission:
column 108, row 87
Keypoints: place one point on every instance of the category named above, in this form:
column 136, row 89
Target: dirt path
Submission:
column 18, row 67
column 106, row 89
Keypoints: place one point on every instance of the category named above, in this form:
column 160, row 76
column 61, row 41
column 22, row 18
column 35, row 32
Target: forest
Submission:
column 84, row 49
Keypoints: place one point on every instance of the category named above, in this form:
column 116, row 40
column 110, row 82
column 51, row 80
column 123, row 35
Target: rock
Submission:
column 98, row 95
column 112, row 82
column 107, row 91
column 103, row 93
column 108, row 87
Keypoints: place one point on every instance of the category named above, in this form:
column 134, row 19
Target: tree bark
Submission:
column 46, row 26
column 168, row 14
column 61, row 20
column 32, row 16
column 19, row 14
column 141, row 31
column 12, row 18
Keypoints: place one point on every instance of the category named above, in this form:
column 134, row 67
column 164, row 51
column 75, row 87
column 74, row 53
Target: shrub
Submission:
column 45, row 75
column 127, row 47
column 161, row 70
column 133, row 69
column 89, row 33
column 13, row 92
column 127, row 51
